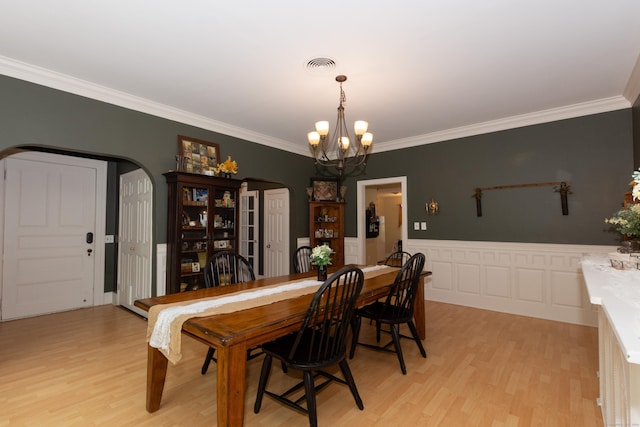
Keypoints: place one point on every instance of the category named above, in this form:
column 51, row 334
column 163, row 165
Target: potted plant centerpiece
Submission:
column 321, row 257
column 627, row 220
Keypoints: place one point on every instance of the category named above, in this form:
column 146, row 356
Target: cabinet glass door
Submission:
column 249, row 223
column 193, row 253
column 224, row 221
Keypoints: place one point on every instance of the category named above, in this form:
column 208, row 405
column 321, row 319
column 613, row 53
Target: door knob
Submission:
column 268, row 246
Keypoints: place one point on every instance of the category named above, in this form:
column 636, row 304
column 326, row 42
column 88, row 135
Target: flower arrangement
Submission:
column 627, row 220
column 228, row 166
column 321, row 255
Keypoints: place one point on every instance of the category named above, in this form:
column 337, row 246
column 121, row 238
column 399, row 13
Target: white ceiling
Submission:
column 418, row 71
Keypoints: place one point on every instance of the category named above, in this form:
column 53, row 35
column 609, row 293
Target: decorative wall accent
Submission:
column 560, row 187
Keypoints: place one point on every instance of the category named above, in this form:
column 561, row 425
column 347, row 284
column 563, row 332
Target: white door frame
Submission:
column 99, row 296
column 361, row 208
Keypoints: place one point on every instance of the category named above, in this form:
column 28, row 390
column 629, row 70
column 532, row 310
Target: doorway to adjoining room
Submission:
column 381, row 217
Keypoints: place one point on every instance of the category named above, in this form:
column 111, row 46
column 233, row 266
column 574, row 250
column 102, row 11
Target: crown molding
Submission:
column 632, row 90
column 551, row 115
column 23, row 71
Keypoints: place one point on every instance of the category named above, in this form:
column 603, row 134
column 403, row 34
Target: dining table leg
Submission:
column 418, row 310
column 156, row 374
column 231, row 381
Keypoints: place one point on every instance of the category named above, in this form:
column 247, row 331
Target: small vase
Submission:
column 227, row 175
column 322, row 273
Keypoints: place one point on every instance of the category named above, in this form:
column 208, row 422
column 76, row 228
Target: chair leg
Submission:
column 207, row 360
column 378, row 331
column 262, row 384
column 346, row 372
column 414, row 332
column 310, row 391
column 355, row 329
column 396, row 342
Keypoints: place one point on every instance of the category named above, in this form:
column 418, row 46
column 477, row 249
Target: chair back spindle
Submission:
column 302, row 259
column 322, row 336
column 226, row 268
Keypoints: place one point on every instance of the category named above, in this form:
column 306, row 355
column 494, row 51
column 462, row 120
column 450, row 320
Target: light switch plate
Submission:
column 416, row 225
column 423, row 225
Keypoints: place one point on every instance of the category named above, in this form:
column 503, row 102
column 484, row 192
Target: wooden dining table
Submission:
column 233, row 333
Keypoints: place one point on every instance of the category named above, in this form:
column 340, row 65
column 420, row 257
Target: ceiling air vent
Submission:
column 319, row 65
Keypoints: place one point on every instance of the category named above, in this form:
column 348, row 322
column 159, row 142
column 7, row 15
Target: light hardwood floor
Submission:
column 88, row 367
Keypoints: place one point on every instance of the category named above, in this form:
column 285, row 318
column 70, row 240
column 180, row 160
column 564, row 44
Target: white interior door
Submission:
column 249, row 226
column 276, row 232
column 134, row 239
column 51, row 248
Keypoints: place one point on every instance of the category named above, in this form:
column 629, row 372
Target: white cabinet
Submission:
column 617, row 294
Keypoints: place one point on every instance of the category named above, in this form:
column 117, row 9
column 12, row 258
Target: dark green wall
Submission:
column 33, row 115
column 592, row 153
column 38, row 117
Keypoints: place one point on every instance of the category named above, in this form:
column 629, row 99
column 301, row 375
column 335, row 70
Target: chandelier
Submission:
column 347, row 157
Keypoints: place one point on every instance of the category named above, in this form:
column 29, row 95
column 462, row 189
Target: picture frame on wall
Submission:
column 325, row 189
column 197, row 156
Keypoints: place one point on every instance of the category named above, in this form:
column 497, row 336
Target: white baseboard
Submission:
column 109, row 298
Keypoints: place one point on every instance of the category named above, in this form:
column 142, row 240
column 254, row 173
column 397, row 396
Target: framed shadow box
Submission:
column 198, row 156
column 325, row 189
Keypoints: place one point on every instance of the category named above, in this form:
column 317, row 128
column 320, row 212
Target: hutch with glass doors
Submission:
column 202, row 219
column 326, row 226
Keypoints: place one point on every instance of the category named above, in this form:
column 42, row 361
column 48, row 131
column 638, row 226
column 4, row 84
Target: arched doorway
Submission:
column 104, row 250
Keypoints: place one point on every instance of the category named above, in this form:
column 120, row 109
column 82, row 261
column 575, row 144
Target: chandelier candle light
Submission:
column 338, row 151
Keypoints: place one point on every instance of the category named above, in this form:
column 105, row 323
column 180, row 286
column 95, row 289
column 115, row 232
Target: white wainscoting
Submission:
column 529, row 279
column 161, row 269
column 302, row 241
column 352, row 251
column 537, row 280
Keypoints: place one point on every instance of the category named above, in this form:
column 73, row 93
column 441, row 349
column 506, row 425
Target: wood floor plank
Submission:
column 88, row 368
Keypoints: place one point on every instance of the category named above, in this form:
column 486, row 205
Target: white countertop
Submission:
column 618, row 292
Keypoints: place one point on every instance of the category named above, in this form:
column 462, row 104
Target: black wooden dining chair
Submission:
column 226, row 268
column 395, row 310
column 302, row 259
column 397, row 259
column 319, row 344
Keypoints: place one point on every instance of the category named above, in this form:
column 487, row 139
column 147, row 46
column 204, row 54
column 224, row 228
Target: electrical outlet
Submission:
column 423, row 225
column 109, row 238
column 416, row 225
